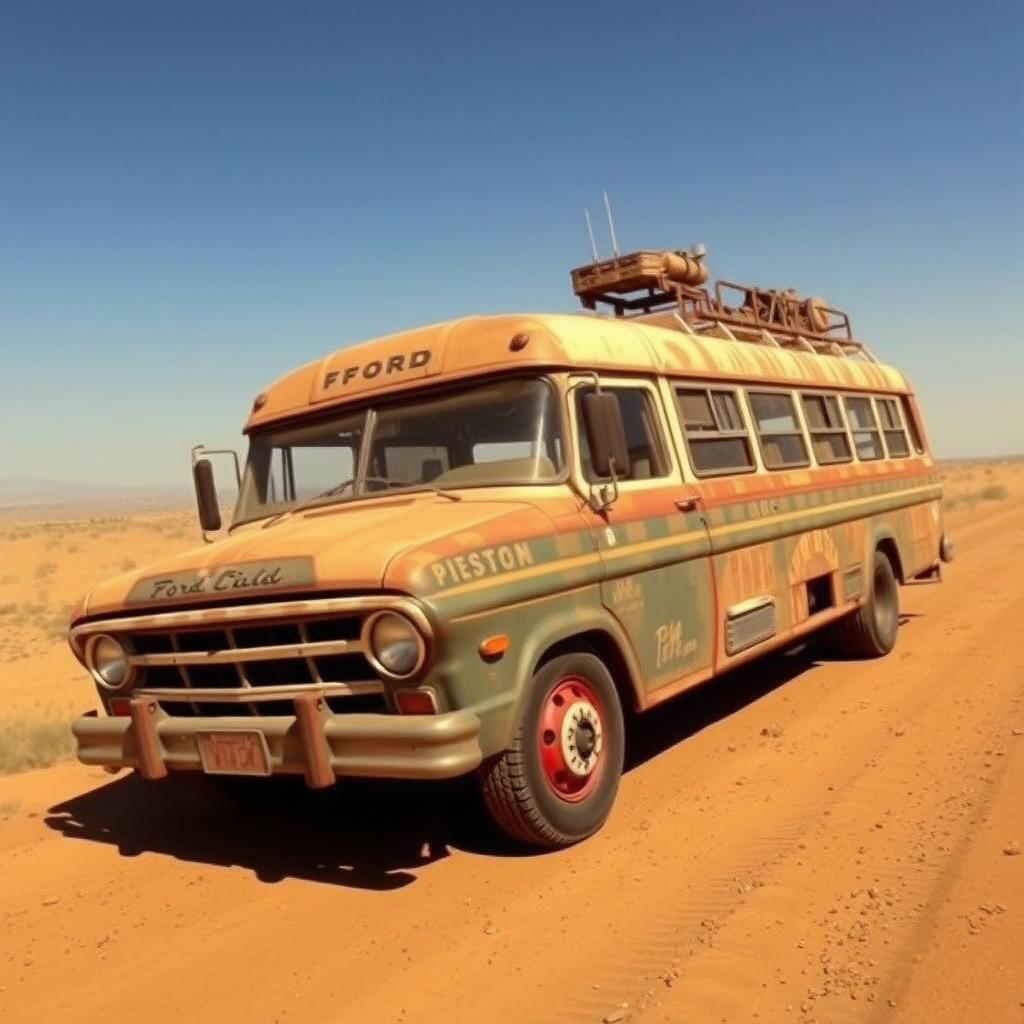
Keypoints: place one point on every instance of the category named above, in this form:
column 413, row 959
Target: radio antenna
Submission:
column 611, row 225
column 590, row 233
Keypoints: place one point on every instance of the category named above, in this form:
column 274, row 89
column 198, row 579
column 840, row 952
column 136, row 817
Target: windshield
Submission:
column 501, row 432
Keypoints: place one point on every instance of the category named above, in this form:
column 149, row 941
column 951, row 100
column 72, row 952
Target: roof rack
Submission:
column 667, row 287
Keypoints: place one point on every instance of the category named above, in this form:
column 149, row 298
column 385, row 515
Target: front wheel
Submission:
column 556, row 782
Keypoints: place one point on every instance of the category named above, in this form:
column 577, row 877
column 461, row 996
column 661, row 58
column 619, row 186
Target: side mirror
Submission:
column 606, row 435
column 206, row 495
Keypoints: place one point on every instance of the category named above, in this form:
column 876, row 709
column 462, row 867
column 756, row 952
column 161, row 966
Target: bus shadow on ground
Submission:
column 368, row 834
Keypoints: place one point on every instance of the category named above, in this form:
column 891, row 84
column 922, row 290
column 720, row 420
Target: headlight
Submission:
column 108, row 660
column 394, row 645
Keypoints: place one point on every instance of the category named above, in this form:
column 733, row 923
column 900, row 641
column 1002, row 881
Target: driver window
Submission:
column 647, row 459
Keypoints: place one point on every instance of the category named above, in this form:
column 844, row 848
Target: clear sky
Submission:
column 196, row 195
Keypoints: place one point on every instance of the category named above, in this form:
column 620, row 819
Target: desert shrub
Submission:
column 994, row 492
column 33, row 743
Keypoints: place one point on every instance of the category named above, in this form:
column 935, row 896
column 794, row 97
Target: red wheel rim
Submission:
column 571, row 739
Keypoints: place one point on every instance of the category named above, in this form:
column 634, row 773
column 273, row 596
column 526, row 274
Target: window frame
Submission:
column 840, row 431
column 891, row 402
column 661, row 446
column 800, row 431
column 709, row 390
column 854, row 430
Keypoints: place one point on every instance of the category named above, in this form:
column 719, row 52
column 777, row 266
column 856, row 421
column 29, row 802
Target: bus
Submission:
column 482, row 546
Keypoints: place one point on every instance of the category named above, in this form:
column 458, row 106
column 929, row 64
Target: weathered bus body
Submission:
column 474, row 546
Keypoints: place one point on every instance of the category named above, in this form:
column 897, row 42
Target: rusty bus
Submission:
column 475, row 546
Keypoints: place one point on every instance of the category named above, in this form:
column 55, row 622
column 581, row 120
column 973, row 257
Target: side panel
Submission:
column 823, row 536
column 658, row 584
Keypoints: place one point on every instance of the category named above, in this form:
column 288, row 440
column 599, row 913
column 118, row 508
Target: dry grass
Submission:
column 51, row 557
column 969, row 483
column 33, row 743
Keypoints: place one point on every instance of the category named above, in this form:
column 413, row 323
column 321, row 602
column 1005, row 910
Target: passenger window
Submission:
column 828, row 432
column 866, row 437
column 782, row 438
column 892, row 428
column 716, row 435
column 647, row 459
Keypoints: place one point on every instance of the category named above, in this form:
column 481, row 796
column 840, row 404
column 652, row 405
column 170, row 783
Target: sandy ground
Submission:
column 805, row 841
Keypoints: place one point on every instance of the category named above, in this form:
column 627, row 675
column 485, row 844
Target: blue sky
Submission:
column 196, row 196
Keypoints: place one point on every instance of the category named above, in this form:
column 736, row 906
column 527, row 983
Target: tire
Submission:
column 557, row 780
column 870, row 631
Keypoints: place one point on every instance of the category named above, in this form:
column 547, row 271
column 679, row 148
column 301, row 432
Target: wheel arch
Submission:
column 884, row 540
column 604, row 646
column 591, row 630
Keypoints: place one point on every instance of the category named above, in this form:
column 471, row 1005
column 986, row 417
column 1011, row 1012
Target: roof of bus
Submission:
column 476, row 345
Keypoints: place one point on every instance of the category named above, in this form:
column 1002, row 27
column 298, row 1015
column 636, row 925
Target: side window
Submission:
column 828, row 433
column 647, row 458
column 866, row 438
column 782, row 439
column 892, row 428
column 716, row 435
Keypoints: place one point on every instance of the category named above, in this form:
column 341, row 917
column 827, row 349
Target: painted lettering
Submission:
column 668, row 639
column 234, row 579
column 397, row 363
column 465, row 567
column 524, row 556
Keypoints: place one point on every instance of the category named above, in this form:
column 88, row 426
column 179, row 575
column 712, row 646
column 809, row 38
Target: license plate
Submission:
column 234, row 753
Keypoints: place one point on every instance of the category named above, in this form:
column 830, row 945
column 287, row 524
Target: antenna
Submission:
column 611, row 226
column 590, row 232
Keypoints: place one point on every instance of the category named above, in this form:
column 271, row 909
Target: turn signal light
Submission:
column 494, row 647
column 416, row 702
column 120, row 706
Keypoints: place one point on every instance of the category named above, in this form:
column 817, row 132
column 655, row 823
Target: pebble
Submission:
column 614, row 1017
column 1012, row 849
column 50, row 901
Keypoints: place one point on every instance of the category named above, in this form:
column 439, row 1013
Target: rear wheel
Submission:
column 870, row 631
column 556, row 782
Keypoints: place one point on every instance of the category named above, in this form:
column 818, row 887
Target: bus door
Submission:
column 741, row 505
column 653, row 543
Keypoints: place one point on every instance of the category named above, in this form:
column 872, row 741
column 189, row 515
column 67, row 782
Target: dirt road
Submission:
column 806, row 841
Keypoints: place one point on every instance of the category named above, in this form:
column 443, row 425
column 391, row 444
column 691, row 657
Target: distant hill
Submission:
column 22, row 491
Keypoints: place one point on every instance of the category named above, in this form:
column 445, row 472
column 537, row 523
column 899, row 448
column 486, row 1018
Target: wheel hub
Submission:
column 581, row 738
column 571, row 739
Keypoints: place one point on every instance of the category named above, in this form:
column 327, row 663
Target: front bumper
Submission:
column 313, row 742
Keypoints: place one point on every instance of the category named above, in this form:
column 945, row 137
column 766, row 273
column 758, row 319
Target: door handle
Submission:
column 688, row 504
